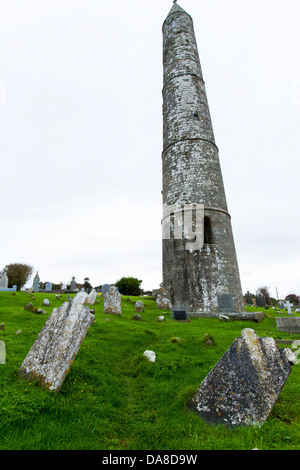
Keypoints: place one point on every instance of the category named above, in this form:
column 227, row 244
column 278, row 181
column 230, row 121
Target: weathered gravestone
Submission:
column 54, row 350
column 288, row 324
column 139, row 306
column 112, row 301
column 36, row 283
column 246, row 382
column 260, row 301
column 92, row 296
column 281, row 304
column 162, row 300
column 48, row 286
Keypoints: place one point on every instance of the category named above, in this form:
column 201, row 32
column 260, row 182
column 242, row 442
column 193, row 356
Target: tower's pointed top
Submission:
column 176, row 7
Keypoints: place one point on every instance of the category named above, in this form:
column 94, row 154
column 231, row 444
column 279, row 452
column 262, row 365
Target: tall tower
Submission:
column 205, row 281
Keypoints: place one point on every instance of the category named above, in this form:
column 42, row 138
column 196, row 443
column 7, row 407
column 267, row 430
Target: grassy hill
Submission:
column 113, row 398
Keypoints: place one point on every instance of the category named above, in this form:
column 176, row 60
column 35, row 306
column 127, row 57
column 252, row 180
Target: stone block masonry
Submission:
column 192, row 175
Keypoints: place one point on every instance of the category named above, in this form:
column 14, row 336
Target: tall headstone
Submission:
column 73, row 285
column 36, row 283
column 56, row 347
column 192, row 178
column 244, row 385
column 260, row 301
column 112, row 301
column 48, row 286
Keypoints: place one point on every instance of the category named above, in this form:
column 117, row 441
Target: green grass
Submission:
column 114, row 399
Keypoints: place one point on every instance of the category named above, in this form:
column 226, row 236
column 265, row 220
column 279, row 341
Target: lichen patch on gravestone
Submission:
column 244, row 385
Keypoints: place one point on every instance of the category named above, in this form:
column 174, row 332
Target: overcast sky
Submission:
column 81, row 135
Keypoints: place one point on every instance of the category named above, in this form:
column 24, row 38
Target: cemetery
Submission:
column 195, row 365
column 128, row 385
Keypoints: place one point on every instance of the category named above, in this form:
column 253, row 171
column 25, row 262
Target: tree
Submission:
column 18, row 274
column 292, row 298
column 87, row 285
column 265, row 292
column 129, row 286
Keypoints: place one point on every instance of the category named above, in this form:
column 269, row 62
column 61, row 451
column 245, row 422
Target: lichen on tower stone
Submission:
column 195, row 280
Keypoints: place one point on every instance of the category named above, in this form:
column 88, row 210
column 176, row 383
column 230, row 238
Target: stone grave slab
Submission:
column 244, row 385
column 54, row 350
column 289, row 324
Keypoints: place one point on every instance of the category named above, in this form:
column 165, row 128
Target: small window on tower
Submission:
column 208, row 238
column 196, row 117
column 173, row 24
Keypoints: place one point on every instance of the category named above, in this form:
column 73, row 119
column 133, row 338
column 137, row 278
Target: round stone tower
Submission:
column 203, row 281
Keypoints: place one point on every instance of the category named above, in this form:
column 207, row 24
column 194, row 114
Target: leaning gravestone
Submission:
column 112, row 301
column 54, row 350
column 246, row 382
column 92, row 297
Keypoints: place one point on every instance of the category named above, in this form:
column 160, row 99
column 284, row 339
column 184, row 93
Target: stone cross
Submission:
column 288, row 306
column 73, row 285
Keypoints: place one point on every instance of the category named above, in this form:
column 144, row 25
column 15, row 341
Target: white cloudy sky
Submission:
column 81, row 135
